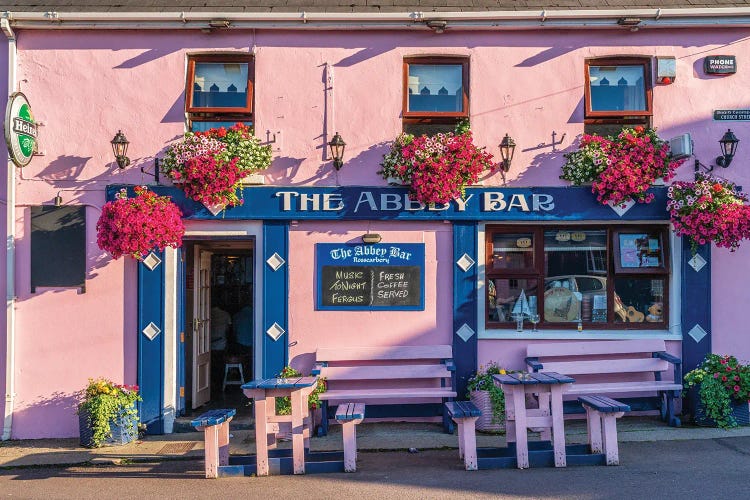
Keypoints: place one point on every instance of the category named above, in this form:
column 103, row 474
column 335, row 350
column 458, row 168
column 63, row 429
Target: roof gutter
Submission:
column 10, row 256
column 632, row 19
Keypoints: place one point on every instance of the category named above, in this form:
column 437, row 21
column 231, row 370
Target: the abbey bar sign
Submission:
column 20, row 130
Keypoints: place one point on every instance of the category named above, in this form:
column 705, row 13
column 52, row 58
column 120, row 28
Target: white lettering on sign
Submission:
column 368, row 198
column 462, row 203
column 329, row 200
column 390, row 201
column 286, row 199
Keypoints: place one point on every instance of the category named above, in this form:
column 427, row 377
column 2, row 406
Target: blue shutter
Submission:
column 275, row 296
column 696, row 305
column 151, row 350
column 464, row 304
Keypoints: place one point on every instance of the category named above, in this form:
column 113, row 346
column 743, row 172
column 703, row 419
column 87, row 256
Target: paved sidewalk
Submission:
column 375, row 436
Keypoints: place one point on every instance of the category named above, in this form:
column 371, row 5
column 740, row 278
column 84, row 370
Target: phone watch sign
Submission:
column 20, row 130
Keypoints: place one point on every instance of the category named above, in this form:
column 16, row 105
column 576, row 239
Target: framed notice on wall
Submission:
column 383, row 276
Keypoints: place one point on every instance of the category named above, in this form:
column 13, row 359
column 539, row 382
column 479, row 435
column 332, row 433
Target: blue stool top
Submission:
column 213, row 417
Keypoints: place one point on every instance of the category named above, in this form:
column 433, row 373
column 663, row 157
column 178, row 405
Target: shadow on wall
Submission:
column 48, row 416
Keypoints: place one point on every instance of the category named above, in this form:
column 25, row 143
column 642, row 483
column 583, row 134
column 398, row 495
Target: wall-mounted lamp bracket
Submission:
column 155, row 173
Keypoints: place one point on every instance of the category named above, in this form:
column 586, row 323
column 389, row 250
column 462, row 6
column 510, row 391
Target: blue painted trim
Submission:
column 151, row 352
column 181, row 268
column 464, row 304
column 542, row 204
column 379, row 255
column 275, row 297
column 213, row 417
column 696, row 305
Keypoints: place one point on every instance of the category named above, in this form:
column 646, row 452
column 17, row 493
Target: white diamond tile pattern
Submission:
column 697, row 333
column 151, row 261
column 275, row 261
column 151, row 331
column 215, row 209
column 697, row 262
column 465, row 262
column 622, row 208
column 465, row 332
column 275, row 331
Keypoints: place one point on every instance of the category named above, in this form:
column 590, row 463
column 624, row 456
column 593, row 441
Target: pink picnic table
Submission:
column 549, row 388
column 264, row 393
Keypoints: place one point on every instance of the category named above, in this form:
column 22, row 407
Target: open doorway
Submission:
column 219, row 323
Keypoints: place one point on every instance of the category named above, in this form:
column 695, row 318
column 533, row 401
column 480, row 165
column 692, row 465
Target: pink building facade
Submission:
column 311, row 81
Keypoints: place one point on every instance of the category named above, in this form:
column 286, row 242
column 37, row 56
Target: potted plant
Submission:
column 709, row 210
column 107, row 413
column 284, row 405
column 437, row 168
column 719, row 390
column 135, row 226
column 210, row 166
column 488, row 397
column 621, row 168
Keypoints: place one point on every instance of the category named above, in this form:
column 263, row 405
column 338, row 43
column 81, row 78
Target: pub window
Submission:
column 603, row 277
column 219, row 90
column 436, row 94
column 617, row 94
column 58, row 247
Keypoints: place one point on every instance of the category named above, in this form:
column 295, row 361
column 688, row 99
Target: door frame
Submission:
column 175, row 311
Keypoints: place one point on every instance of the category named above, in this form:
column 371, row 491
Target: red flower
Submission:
column 639, row 129
column 717, row 188
column 736, row 388
column 724, row 378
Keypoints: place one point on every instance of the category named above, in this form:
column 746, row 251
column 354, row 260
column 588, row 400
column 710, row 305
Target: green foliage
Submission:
column 284, row 405
column 482, row 381
column 722, row 380
column 104, row 401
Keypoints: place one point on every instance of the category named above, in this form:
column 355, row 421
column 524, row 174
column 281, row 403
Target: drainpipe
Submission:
column 10, row 257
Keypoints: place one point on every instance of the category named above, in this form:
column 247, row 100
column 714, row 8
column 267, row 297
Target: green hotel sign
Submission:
column 20, row 130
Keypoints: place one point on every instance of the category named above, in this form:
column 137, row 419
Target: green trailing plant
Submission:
column 284, row 405
column 722, row 380
column 482, row 381
column 104, row 402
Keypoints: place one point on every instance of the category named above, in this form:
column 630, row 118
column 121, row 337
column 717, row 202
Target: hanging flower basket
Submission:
column 212, row 166
column 709, row 210
column 621, row 168
column 438, row 168
column 135, row 226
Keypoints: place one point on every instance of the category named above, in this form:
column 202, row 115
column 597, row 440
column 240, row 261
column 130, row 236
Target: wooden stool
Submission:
column 349, row 415
column 601, row 416
column 215, row 427
column 465, row 414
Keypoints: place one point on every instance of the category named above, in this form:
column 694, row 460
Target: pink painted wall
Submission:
column 311, row 329
column 86, row 85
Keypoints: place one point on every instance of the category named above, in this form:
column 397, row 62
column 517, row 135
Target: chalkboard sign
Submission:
column 58, row 247
column 370, row 277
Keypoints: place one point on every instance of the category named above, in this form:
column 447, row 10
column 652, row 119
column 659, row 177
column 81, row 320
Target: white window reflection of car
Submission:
column 583, row 284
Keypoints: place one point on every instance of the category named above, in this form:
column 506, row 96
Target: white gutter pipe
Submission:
column 10, row 256
column 555, row 19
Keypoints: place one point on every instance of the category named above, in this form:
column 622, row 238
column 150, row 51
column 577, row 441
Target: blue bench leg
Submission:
column 672, row 420
column 323, row 429
column 447, row 420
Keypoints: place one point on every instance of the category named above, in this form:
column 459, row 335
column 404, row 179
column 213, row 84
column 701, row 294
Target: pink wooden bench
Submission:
column 349, row 415
column 595, row 364
column 215, row 427
column 465, row 414
column 389, row 375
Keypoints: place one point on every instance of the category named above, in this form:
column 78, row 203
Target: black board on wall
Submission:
column 58, row 247
column 375, row 286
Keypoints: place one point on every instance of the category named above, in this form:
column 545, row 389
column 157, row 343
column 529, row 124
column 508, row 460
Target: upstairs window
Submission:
column 617, row 93
column 219, row 90
column 436, row 94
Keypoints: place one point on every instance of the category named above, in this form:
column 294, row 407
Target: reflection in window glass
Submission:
column 504, row 295
column 220, row 85
column 617, row 88
column 638, row 250
column 575, row 286
column 203, row 126
column 513, row 251
column 435, row 87
column 638, row 300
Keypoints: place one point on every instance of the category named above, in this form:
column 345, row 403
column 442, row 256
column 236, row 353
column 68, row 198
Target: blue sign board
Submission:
column 385, row 277
column 541, row 204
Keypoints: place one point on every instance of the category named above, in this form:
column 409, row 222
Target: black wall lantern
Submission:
column 507, row 148
column 120, row 148
column 337, row 146
column 728, row 144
